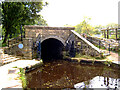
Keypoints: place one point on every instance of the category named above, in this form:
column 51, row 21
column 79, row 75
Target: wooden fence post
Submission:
column 107, row 33
column 104, row 34
column 116, row 33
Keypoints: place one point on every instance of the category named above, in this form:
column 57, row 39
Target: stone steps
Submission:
column 5, row 58
column 10, row 60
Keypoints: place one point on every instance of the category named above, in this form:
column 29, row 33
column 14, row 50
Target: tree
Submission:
column 85, row 27
column 40, row 21
column 0, row 14
column 97, row 29
column 15, row 14
column 112, row 25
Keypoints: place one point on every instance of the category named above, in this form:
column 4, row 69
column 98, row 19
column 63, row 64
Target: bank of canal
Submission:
column 9, row 73
column 66, row 74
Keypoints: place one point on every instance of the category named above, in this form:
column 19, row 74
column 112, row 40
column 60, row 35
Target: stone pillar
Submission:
column 27, row 49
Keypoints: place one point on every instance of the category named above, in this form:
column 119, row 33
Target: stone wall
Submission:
column 103, row 42
column 14, row 41
column 85, row 47
column 60, row 32
column 31, row 35
column 25, row 52
column 63, row 34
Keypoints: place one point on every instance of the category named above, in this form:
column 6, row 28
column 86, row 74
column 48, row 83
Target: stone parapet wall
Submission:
column 94, row 40
column 25, row 52
column 63, row 34
column 102, row 42
column 85, row 47
column 34, row 31
column 14, row 40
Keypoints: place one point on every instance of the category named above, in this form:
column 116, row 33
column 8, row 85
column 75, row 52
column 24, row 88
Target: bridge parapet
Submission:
column 60, row 32
column 66, row 35
column 85, row 46
column 44, row 33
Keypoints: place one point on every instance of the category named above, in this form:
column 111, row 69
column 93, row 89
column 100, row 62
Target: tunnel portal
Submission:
column 51, row 49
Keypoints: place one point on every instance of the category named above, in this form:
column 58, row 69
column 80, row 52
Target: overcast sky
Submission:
column 71, row 12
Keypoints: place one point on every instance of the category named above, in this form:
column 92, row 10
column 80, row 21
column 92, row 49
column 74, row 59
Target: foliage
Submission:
column 88, row 57
column 15, row 14
column 119, row 52
column 108, row 62
column 85, row 27
column 40, row 21
column 0, row 13
column 111, row 25
column 1, row 43
column 22, row 77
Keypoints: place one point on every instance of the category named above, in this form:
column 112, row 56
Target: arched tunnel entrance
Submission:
column 51, row 49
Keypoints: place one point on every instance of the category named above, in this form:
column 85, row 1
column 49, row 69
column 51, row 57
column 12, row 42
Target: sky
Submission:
column 72, row 12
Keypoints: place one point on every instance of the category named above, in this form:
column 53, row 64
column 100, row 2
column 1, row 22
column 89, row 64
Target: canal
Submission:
column 66, row 74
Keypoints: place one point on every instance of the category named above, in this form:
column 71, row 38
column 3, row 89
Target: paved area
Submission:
column 9, row 77
column 114, row 57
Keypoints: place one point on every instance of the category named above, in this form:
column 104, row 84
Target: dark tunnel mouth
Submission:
column 51, row 49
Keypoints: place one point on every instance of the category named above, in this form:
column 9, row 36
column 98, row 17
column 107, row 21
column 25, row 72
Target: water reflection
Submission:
column 99, row 82
column 64, row 74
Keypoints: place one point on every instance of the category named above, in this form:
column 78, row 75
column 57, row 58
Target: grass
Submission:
column 22, row 77
column 88, row 57
column 111, row 37
column 101, row 47
column 119, row 52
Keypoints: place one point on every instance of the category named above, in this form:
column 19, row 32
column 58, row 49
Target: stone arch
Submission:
column 51, row 49
column 55, row 37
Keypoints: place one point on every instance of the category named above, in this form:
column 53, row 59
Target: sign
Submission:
column 20, row 46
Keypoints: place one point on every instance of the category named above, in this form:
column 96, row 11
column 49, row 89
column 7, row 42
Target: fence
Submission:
column 109, row 44
column 112, row 31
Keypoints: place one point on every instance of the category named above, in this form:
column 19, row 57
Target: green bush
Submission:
column 1, row 43
column 22, row 77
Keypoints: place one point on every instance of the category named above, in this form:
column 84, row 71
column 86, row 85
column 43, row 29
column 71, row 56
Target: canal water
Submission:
column 66, row 74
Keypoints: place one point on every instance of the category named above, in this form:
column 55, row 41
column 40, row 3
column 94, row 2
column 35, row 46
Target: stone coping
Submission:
column 48, row 27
